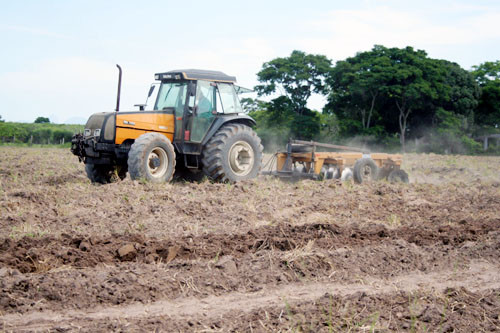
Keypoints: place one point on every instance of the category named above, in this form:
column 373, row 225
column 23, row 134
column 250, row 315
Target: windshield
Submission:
column 171, row 95
column 229, row 98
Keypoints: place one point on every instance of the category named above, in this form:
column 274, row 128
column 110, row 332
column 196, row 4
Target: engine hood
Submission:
column 104, row 122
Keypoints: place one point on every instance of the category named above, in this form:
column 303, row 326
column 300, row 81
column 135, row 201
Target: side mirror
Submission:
column 140, row 106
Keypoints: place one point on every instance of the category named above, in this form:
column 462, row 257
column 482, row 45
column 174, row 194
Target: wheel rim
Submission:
column 241, row 158
column 367, row 173
column 157, row 162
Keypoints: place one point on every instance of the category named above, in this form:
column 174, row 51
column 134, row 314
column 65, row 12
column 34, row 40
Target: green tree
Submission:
column 251, row 105
column 273, row 122
column 486, row 72
column 42, row 120
column 1, row 120
column 488, row 77
column 330, row 128
column 356, row 85
column 386, row 90
column 296, row 77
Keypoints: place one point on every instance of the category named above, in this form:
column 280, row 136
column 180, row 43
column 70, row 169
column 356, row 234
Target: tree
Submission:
column 251, row 105
column 296, row 77
column 488, row 77
column 356, row 84
column 42, row 120
column 1, row 120
column 486, row 72
column 386, row 90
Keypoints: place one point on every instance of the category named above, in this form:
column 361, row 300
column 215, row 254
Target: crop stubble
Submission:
column 255, row 256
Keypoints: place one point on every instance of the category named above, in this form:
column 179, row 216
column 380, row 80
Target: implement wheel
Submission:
column 152, row 157
column 234, row 153
column 398, row 176
column 365, row 170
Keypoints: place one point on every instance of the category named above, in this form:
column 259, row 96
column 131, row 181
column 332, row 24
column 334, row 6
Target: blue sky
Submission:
column 58, row 57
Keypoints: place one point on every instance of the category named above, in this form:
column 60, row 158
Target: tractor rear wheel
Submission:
column 104, row 173
column 365, row 170
column 152, row 157
column 234, row 153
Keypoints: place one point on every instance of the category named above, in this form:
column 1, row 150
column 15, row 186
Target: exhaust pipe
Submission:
column 119, row 88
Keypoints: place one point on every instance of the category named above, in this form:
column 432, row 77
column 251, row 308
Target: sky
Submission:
column 58, row 58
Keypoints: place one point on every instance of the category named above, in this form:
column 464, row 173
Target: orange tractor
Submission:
column 197, row 125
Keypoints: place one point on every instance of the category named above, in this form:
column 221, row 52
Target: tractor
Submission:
column 197, row 126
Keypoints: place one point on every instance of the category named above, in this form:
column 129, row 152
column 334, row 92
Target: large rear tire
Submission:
column 233, row 154
column 152, row 157
column 104, row 173
column 365, row 170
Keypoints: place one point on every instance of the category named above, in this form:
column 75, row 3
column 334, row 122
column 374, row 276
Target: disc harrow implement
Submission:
column 302, row 160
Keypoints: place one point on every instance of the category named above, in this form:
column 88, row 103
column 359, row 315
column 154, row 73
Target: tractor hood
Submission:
column 101, row 125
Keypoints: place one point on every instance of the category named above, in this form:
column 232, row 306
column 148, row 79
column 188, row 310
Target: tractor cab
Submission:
column 197, row 98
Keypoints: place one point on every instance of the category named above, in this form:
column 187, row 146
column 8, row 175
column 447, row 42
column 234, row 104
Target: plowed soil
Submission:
column 257, row 256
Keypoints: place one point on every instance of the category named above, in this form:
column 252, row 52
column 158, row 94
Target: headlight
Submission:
column 97, row 132
column 87, row 132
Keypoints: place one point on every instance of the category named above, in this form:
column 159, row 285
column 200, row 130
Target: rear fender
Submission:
column 221, row 121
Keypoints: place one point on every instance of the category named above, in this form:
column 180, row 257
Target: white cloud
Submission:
column 342, row 33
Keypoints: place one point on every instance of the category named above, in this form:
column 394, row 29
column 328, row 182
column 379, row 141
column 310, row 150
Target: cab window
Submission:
column 172, row 95
column 229, row 98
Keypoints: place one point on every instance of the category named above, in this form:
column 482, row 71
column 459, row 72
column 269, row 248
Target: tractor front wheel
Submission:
column 152, row 157
column 104, row 174
column 234, row 153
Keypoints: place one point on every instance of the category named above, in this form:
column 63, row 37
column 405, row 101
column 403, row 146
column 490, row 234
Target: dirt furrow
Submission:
column 480, row 276
column 31, row 254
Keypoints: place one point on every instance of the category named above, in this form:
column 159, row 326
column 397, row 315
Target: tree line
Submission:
column 39, row 132
column 394, row 98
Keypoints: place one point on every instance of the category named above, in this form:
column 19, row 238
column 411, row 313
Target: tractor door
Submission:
column 204, row 110
column 173, row 95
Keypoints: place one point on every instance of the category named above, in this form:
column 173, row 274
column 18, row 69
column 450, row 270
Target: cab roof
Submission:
column 195, row 74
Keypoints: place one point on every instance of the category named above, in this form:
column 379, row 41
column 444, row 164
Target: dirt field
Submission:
column 257, row 256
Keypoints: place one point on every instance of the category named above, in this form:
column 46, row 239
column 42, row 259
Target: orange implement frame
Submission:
column 315, row 163
column 339, row 160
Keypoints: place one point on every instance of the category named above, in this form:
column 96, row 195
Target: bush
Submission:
column 61, row 134
column 42, row 120
column 42, row 133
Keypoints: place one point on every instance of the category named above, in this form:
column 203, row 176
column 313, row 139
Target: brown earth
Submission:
column 262, row 255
